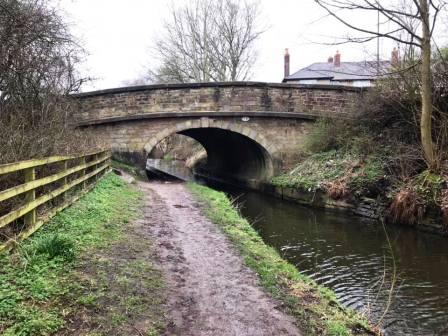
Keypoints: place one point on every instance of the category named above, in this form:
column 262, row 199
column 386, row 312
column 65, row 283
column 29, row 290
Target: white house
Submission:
column 335, row 72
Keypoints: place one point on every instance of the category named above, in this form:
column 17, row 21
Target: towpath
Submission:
column 210, row 291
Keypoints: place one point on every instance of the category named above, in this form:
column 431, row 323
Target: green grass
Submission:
column 315, row 308
column 314, row 170
column 37, row 279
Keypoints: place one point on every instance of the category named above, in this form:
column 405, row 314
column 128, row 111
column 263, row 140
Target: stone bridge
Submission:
column 248, row 129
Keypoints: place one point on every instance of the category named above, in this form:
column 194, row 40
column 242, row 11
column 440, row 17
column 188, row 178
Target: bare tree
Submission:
column 208, row 41
column 38, row 58
column 405, row 17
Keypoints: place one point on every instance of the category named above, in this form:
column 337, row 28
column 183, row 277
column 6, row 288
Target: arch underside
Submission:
column 231, row 155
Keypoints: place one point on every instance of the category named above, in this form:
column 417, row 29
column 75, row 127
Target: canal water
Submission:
column 353, row 257
column 397, row 276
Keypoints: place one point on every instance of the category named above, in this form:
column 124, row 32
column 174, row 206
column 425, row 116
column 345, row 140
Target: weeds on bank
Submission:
column 411, row 199
column 352, row 159
column 39, row 284
column 327, row 170
column 316, row 309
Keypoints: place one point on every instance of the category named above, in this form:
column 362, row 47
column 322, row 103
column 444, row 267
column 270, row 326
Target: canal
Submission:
column 396, row 276
column 353, row 257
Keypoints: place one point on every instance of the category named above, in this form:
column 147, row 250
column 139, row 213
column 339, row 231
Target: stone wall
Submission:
column 281, row 137
column 238, row 98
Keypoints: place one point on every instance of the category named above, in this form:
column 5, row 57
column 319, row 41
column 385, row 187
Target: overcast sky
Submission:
column 118, row 36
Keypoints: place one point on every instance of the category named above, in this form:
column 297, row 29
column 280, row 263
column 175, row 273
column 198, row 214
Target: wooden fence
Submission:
column 43, row 188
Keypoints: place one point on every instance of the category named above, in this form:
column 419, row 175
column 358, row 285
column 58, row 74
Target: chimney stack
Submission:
column 337, row 59
column 286, row 63
column 394, row 58
column 330, row 59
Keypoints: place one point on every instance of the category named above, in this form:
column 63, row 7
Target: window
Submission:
column 362, row 83
column 308, row 81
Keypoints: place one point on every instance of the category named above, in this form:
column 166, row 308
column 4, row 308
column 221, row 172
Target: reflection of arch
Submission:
column 253, row 154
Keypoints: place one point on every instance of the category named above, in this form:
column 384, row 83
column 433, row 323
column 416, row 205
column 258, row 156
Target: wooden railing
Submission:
column 43, row 192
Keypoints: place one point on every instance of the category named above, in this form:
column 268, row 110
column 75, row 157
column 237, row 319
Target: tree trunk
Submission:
column 426, row 95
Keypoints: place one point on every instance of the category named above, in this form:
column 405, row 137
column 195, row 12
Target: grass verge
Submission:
column 315, row 308
column 70, row 269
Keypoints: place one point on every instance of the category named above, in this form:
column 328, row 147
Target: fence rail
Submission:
column 25, row 219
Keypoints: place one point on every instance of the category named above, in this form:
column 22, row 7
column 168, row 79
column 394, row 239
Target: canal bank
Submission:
column 209, row 288
column 372, row 208
column 315, row 308
column 400, row 285
column 367, row 196
column 394, row 275
column 375, row 208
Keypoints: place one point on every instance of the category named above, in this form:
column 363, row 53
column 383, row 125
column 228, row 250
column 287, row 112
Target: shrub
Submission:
column 38, row 60
column 55, row 245
column 429, row 185
column 322, row 137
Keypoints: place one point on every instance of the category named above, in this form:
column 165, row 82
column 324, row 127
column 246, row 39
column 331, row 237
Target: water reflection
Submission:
column 174, row 168
column 352, row 256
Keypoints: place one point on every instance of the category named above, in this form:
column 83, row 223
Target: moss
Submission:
column 315, row 308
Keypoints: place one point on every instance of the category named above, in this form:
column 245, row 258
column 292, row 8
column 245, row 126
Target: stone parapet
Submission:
column 272, row 99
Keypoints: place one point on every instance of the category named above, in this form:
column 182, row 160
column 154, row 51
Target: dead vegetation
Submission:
column 38, row 59
column 378, row 153
column 406, row 207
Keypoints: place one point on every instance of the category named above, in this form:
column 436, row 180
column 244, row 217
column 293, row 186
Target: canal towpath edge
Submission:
column 209, row 288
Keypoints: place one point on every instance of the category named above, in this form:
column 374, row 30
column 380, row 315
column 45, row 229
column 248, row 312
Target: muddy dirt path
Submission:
column 210, row 290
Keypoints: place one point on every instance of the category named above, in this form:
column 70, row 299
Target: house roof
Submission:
column 346, row 71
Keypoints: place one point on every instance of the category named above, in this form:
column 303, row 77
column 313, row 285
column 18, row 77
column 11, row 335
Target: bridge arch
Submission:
column 271, row 118
column 233, row 150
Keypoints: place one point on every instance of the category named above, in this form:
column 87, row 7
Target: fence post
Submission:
column 30, row 217
column 109, row 162
column 64, row 180
column 96, row 157
column 83, row 172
